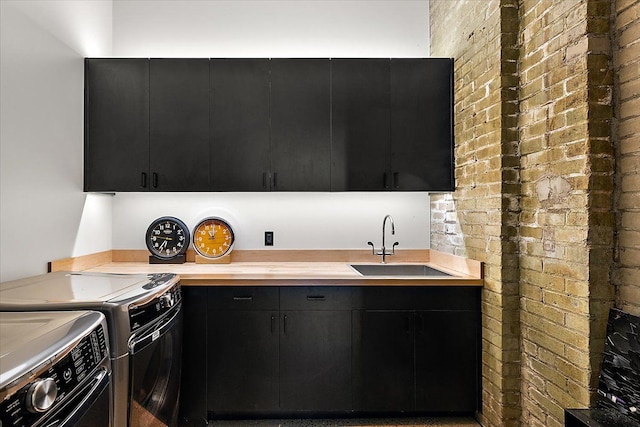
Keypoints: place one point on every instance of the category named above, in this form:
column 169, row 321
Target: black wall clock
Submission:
column 167, row 239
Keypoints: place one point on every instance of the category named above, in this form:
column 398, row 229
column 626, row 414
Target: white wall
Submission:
column 41, row 135
column 44, row 215
column 262, row 29
column 298, row 220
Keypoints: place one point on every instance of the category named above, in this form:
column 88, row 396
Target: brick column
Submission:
column 480, row 219
column 626, row 57
column 534, row 183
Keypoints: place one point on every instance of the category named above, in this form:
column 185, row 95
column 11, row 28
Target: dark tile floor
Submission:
column 370, row 422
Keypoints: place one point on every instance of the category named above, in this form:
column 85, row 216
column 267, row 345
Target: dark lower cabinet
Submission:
column 416, row 349
column 193, row 388
column 447, row 367
column 415, row 361
column 315, row 361
column 268, row 351
column 242, row 350
column 383, row 347
column 242, row 374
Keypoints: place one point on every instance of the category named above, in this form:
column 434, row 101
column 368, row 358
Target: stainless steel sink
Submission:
column 397, row 270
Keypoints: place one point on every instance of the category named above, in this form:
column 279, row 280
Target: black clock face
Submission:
column 167, row 237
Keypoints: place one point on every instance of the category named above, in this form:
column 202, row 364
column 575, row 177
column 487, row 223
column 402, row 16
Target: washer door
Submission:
column 155, row 360
column 88, row 406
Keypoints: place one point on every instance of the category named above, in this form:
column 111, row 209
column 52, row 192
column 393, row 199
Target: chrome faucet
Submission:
column 384, row 252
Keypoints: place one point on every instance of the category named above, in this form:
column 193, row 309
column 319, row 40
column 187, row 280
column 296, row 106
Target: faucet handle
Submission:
column 393, row 248
column 373, row 248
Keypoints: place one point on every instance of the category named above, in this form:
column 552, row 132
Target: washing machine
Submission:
column 54, row 369
column 144, row 322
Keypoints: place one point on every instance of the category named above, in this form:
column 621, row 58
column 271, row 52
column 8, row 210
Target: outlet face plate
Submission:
column 268, row 238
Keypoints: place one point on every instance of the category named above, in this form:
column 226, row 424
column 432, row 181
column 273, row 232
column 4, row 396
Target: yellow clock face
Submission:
column 213, row 238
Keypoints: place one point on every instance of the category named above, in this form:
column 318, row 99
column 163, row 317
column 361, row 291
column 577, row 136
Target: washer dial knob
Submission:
column 167, row 300
column 41, row 395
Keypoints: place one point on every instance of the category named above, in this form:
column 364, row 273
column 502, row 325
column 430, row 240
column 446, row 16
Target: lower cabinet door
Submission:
column 383, row 345
column 242, row 374
column 447, row 376
column 193, row 396
column 315, row 361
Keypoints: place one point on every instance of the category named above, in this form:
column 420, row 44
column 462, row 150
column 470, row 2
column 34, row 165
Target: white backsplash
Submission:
column 298, row 220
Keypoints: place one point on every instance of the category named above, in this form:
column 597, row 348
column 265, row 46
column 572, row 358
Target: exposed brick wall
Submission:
column 534, row 189
column 627, row 131
column 566, row 226
column 479, row 220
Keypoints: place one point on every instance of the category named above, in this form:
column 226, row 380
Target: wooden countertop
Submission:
column 283, row 268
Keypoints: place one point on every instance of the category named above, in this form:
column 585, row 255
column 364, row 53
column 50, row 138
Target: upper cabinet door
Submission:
column 179, row 124
column 239, row 157
column 360, row 139
column 421, row 124
column 116, row 144
column 300, row 125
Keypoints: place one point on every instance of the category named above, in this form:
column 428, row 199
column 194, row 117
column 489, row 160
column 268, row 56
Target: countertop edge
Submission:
column 286, row 268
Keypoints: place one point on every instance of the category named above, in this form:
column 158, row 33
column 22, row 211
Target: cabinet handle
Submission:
column 315, row 297
column 395, row 180
column 407, row 324
column 155, row 180
column 264, row 180
column 273, row 323
column 420, row 324
column 285, row 324
column 385, row 182
column 243, row 298
column 143, row 182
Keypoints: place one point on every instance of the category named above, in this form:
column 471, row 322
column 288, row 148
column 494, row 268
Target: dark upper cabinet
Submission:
column 240, row 157
column 360, row 134
column 300, row 124
column 391, row 124
column 146, row 124
column 179, row 124
column 421, row 124
column 116, row 144
column 269, row 125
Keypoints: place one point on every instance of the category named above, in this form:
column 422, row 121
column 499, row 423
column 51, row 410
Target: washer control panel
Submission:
column 32, row 401
column 141, row 315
